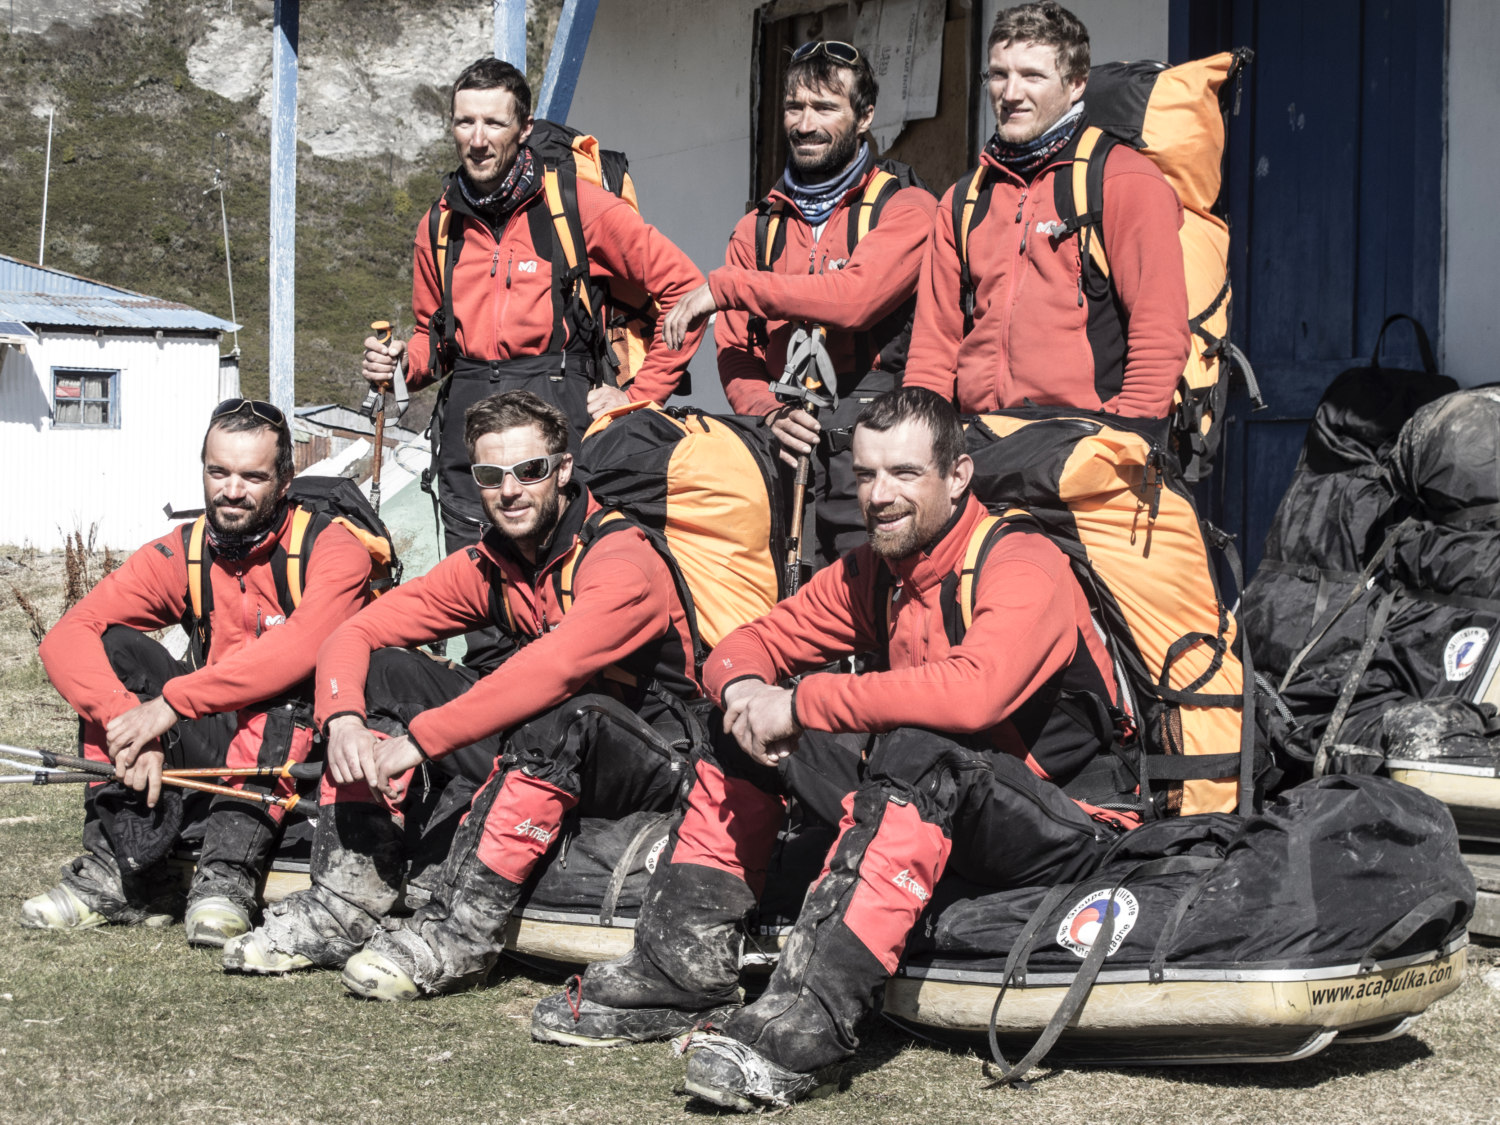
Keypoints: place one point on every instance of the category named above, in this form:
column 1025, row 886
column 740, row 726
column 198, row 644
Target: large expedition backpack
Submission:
column 1421, row 623
column 617, row 322
column 890, row 340
column 705, row 489
column 1106, row 492
column 316, row 502
column 1339, row 505
column 1176, row 116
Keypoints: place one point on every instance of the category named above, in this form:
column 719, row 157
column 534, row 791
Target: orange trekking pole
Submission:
column 382, row 329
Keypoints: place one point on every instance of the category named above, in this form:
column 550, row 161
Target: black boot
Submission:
column 683, row 971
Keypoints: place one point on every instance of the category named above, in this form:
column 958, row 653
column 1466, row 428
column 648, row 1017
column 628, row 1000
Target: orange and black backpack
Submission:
column 1107, row 493
column 1178, row 117
column 705, row 489
column 890, row 340
column 316, row 502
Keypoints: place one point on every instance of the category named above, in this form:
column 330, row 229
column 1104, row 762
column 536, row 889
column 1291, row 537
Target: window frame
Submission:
column 67, row 370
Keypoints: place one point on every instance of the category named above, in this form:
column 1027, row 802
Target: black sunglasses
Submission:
column 527, row 472
column 839, row 52
column 262, row 410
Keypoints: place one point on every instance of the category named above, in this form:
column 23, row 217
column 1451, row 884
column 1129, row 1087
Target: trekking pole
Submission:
column 799, row 502
column 382, row 330
column 105, row 771
column 303, row 771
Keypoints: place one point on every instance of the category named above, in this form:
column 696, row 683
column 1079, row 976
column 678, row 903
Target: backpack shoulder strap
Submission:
column 573, row 297
column 299, row 552
column 770, row 233
column 199, row 588
column 987, row 532
column 866, row 213
column 1079, row 195
column 600, row 523
column 968, row 199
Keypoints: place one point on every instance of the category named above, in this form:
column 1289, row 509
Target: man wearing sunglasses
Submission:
column 499, row 316
column 799, row 261
column 242, row 698
column 581, row 717
column 1031, row 322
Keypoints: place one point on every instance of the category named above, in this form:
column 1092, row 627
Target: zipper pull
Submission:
column 495, row 262
column 257, row 623
column 508, row 262
column 1021, row 206
column 240, row 574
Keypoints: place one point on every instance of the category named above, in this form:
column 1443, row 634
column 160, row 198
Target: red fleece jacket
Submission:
column 806, row 284
column 1029, row 614
column 623, row 601
column 1031, row 338
column 502, row 288
column 255, row 652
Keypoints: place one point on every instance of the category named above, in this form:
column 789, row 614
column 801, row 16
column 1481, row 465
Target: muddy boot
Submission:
column 727, row 1073
column 60, row 909
column 356, row 878
column 214, row 920
column 448, row 945
column 238, row 840
column 683, row 971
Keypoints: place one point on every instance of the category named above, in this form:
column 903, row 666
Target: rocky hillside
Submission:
column 141, row 89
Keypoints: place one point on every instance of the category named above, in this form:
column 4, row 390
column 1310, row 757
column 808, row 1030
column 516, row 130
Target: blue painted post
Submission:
column 510, row 32
column 283, row 254
column 566, row 60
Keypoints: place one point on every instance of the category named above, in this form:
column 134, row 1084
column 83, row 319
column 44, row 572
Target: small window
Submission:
column 85, row 398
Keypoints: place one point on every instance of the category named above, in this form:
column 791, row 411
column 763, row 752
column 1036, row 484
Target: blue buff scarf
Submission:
column 817, row 201
column 1030, row 157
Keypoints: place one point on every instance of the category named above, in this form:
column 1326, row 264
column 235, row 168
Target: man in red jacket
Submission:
column 965, row 758
column 509, row 319
column 560, row 721
column 820, row 251
column 1041, row 326
column 246, row 702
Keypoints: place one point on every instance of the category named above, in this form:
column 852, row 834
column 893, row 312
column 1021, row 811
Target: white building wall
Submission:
column 1470, row 329
column 58, row 480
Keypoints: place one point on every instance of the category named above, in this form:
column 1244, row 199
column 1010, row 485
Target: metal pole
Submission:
column 510, row 32
column 566, row 60
column 283, row 253
column 224, row 216
column 41, row 251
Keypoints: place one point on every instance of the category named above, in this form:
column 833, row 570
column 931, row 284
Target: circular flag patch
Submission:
column 1081, row 927
column 1464, row 649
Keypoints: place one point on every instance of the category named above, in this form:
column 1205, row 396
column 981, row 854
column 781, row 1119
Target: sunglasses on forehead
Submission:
column 846, row 53
column 530, row 471
column 262, row 410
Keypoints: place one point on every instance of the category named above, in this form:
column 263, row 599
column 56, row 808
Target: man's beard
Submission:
column 237, row 540
column 546, row 512
column 898, row 544
column 835, row 160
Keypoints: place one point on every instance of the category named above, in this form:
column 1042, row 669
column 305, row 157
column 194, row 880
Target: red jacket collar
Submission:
column 927, row 569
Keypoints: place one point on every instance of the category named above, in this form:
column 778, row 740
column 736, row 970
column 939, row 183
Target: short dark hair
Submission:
column 921, row 405
column 492, row 74
column 820, row 71
column 510, row 409
column 1050, row 24
column 246, row 421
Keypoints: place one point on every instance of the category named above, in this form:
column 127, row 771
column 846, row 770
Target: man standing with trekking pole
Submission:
column 1014, row 306
column 829, row 260
column 243, row 699
column 494, row 312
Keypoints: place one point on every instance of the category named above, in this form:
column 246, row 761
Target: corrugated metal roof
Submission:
column 38, row 295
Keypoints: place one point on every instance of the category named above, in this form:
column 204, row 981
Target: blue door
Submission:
column 1333, row 194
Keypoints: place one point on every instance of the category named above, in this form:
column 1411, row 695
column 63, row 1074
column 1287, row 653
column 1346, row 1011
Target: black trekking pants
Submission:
column 923, row 803
column 122, row 871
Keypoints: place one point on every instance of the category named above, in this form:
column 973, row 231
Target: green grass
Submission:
column 127, row 1025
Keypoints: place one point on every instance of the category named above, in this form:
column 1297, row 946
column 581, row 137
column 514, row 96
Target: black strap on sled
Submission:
column 1088, row 973
column 1428, row 910
column 627, row 863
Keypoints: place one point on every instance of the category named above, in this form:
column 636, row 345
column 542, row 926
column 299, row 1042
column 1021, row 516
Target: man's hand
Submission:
column 145, row 773
column 381, row 360
column 394, row 757
column 760, row 718
column 137, row 730
column 351, row 750
column 688, row 315
column 606, row 398
column 797, row 430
